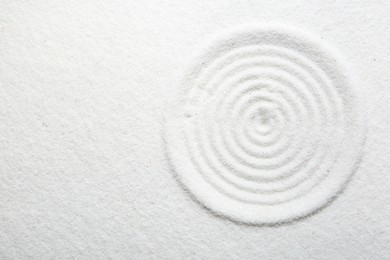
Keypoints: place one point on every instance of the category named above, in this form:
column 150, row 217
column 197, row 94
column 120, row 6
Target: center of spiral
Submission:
column 262, row 120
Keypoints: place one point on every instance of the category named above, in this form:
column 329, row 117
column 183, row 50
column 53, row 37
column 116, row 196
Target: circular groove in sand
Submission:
column 261, row 129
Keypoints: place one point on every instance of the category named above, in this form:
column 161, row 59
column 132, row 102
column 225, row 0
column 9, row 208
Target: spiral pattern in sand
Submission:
column 264, row 126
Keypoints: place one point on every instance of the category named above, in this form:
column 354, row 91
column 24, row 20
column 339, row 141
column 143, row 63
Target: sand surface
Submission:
column 98, row 98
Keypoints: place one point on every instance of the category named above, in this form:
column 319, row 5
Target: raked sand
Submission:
column 267, row 127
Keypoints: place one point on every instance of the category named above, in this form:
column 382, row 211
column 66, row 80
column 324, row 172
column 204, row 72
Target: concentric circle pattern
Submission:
column 266, row 127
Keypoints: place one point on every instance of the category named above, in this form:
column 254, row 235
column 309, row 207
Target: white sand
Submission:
column 84, row 88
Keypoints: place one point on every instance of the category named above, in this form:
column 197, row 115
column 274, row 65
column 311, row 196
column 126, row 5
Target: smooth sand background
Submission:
column 83, row 90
